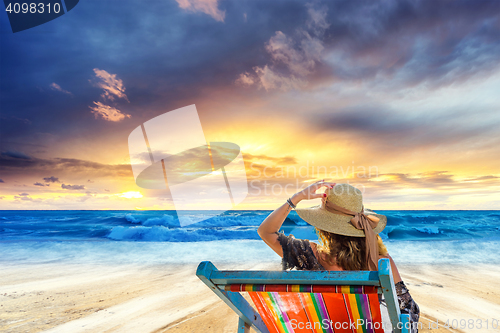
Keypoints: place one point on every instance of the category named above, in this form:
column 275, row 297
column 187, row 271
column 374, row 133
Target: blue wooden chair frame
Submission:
column 249, row 317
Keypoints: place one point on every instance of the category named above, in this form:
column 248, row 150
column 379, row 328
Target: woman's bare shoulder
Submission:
column 395, row 272
column 314, row 247
column 387, row 256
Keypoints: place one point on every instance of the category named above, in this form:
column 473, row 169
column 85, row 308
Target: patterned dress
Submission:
column 298, row 254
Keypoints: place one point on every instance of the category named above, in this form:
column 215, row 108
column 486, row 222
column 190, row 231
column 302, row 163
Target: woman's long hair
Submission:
column 345, row 251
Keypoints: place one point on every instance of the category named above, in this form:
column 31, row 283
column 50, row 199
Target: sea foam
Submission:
column 432, row 237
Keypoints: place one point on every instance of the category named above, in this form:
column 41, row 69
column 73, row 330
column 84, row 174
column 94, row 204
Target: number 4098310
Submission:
column 33, row 8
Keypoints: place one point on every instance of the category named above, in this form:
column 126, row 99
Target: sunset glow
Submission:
column 131, row 195
column 401, row 102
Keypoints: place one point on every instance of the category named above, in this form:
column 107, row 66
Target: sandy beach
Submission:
column 169, row 298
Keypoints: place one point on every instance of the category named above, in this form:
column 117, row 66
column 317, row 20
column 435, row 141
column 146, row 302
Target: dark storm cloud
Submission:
column 400, row 129
column 402, row 42
column 67, row 166
column 166, row 55
column 15, row 154
column 162, row 53
column 430, row 40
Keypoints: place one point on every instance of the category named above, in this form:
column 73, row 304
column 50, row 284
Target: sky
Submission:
column 398, row 98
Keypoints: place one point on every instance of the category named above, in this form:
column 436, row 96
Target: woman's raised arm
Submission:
column 272, row 224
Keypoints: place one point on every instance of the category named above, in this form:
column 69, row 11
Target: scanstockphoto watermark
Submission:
column 267, row 188
column 356, row 326
column 270, row 179
column 309, row 170
column 362, row 324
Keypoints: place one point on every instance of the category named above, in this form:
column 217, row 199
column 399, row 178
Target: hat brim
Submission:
column 335, row 223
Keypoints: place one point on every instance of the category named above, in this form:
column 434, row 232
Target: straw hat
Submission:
column 348, row 197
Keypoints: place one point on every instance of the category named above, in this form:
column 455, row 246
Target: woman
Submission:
column 348, row 237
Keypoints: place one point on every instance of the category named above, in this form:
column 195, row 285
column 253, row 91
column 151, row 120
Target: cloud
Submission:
column 404, row 42
column 108, row 112
column 364, row 40
column 21, row 120
column 437, row 180
column 432, row 185
column 1, row 181
column 51, row 179
column 299, row 60
column 87, row 196
column 23, row 196
column 293, row 57
column 280, row 176
column 40, row 184
column 286, row 160
column 84, row 168
column 270, row 79
column 73, row 187
column 113, row 87
column 15, row 154
column 390, row 44
column 209, row 7
column 482, row 178
column 57, row 87
column 434, row 178
column 246, row 79
column 379, row 124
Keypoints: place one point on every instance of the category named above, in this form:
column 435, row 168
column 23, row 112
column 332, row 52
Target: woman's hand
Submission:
column 310, row 191
column 271, row 225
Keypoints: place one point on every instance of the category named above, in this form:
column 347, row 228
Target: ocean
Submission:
column 155, row 237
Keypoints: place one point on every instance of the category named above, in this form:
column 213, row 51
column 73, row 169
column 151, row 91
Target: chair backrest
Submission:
column 316, row 308
column 308, row 301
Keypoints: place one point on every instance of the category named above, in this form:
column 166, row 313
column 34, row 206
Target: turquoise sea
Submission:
column 155, row 237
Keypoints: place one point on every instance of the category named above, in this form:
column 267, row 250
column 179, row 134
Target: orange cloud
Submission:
column 113, row 87
column 205, row 6
column 108, row 112
column 57, row 87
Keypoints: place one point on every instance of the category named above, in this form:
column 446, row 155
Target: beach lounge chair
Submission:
column 308, row 301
